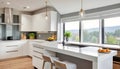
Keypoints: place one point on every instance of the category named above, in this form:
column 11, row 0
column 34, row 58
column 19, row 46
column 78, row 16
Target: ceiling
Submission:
column 62, row 6
column 20, row 4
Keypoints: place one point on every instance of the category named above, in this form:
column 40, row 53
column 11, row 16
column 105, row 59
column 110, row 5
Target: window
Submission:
column 90, row 30
column 73, row 27
column 112, row 30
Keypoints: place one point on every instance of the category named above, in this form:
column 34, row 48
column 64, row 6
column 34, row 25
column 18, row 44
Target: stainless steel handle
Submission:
column 11, row 51
column 37, row 57
column 37, row 52
column 38, row 47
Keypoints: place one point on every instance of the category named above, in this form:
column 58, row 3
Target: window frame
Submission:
column 79, row 31
column 101, row 31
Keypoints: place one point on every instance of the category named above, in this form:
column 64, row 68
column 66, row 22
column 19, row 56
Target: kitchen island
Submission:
column 87, row 57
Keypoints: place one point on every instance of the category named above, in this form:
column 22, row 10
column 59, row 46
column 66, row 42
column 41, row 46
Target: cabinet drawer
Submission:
column 37, row 62
column 12, row 53
column 116, row 66
column 38, row 49
column 12, row 47
column 118, row 53
column 37, row 54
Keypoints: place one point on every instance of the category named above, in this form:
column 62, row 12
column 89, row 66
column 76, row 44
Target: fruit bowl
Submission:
column 50, row 39
column 104, row 50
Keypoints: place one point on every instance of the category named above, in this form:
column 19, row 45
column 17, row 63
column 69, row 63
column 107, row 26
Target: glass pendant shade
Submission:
column 46, row 17
column 82, row 12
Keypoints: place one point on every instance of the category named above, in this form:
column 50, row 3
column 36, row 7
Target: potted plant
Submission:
column 67, row 35
column 32, row 36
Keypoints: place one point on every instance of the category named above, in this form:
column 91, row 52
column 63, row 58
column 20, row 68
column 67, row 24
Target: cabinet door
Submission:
column 37, row 62
column 26, row 21
column 16, row 18
column 2, row 52
column 12, row 51
column 25, row 48
column 53, row 21
column 40, row 23
column 116, row 66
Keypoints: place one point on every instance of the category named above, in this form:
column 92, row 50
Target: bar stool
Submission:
column 64, row 65
column 48, row 59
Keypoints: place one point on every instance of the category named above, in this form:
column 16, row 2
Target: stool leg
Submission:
column 35, row 68
column 51, row 65
column 43, row 64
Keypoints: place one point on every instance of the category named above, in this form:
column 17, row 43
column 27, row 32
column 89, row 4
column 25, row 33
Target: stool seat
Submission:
column 70, row 65
column 64, row 65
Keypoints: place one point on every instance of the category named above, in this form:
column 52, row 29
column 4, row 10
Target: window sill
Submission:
column 96, row 45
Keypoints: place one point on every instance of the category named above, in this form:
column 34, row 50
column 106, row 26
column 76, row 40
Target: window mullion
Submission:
column 102, row 34
column 79, row 31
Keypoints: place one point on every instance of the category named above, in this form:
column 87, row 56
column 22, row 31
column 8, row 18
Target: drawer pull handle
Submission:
column 38, row 47
column 12, row 51
column 37, row 52
column 37, row 57
column 12, row 46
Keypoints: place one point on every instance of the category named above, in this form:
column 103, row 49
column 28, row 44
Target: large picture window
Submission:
column 90, row 30
column 73, row 28
column 112, row 30
column 105, row 31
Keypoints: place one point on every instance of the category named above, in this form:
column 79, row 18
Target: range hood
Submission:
column 8, row 15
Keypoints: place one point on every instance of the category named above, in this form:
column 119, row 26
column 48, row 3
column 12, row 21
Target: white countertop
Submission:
column 77, row 43
column 88, row 53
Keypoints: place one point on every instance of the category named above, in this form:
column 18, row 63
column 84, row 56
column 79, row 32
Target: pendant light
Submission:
column 46, row 15
column 81, row 10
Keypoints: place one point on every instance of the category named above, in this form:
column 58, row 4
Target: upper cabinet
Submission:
column 9, row 16
column 41, row 24
column 37, row 22
column 26, row 22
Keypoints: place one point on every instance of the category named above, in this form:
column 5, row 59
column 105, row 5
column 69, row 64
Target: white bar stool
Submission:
column 64, row 65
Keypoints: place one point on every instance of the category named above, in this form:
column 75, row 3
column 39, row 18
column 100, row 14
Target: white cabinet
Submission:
column 2, row 51
column 37, row 22
column 26, row 22
column 25, row 47
column 41, row 24
column 37, row 60
column 10, row 49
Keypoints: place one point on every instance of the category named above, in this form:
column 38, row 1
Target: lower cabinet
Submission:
column 116, row 66
column 37, row 62
column 37, row 59
column 13, row 49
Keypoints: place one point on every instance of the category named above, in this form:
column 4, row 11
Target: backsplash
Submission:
column 38, row 35
column 44, row 36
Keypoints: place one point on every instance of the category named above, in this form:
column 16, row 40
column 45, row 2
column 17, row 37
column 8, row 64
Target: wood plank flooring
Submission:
column 18, row 63
column 25, row 63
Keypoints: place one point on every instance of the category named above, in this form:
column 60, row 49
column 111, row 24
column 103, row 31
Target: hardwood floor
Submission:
column 18, row 63
column 26, row 63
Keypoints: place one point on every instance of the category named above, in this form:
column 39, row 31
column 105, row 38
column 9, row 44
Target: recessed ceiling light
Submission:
column 8, row 3
column 26, row 7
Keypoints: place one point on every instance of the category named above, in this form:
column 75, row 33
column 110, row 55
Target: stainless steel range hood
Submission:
column 8, row 15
